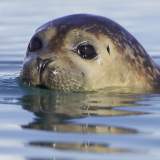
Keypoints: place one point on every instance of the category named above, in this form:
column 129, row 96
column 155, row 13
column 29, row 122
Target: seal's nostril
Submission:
column 42, row 64
column 35, row 44
column 39, row 64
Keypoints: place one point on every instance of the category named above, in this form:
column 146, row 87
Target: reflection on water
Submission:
column 84, row 147
column 42, row 124
column 78, row 104
column 54, row 110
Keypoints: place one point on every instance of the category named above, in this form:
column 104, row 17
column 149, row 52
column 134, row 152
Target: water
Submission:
column 38, row 124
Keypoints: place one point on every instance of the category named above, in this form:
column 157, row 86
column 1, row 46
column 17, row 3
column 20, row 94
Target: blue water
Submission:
column 39, row 124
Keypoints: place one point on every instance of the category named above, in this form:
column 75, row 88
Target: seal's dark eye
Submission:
column 35, row 44
column 86, row 51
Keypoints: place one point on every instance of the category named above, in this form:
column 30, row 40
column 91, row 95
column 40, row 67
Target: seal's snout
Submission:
column 35, row 71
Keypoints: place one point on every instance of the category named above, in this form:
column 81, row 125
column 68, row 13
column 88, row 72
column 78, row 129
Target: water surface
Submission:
column 41, row 124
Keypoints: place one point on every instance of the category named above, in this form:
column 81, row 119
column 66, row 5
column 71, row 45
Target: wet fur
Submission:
column 129, row 64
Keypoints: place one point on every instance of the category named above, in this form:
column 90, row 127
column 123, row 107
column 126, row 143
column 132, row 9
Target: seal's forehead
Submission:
column 91, row 23
column 82, row 21
column 120, row 37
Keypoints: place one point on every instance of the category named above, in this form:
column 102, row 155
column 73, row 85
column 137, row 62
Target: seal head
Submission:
column 87, row 52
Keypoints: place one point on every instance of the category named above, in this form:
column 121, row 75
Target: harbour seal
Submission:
column 87, row 52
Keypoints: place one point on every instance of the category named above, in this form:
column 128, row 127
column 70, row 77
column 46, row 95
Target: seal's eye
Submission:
column 35, row 44
column 86, row 51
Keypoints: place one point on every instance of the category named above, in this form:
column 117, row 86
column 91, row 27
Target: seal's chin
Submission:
column 52, row 77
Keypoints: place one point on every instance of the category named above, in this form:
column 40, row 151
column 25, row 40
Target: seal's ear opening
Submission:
column 108, row 50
